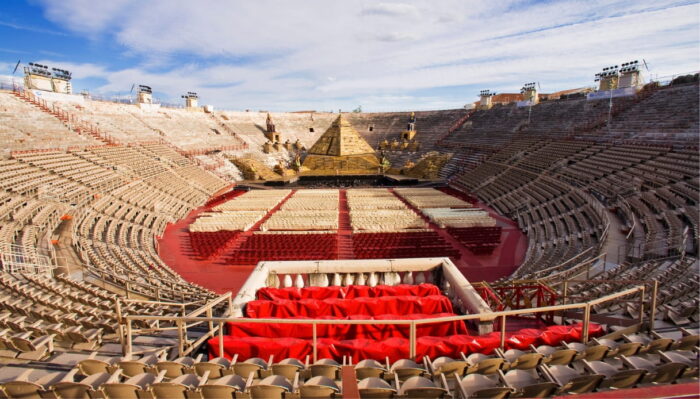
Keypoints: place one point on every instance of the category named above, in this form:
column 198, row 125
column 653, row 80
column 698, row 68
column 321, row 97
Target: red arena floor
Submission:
column 227, row 272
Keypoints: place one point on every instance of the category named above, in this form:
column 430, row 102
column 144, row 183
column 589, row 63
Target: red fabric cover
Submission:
column 523, row 338
column 349, row 292
column 368, row 306
column 363, row 349
column 395, row 348
column 350, row 331
column 326, row 349
column 356, row 291
column 293, row 293
column 594, row 330
column 454, row 344
column 433, row 346
column 484, row 343
column 555, row 334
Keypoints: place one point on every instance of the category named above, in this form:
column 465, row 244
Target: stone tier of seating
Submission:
column 557, row 189
column 113, row 201
column 24, row 126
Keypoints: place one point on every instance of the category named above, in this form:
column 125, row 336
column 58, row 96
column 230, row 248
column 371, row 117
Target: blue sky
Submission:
column 286, row 55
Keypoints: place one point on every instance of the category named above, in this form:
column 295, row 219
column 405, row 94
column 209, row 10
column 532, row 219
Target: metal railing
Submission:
column 575, row 270
column 181, row 323
column 652, row 287
column 656, row 249
column 26, row 260
column 217, row 324
column 489, row 295
column 666, row 80
column 628, row 211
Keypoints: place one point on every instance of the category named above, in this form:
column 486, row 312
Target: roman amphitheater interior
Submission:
column 530, row 248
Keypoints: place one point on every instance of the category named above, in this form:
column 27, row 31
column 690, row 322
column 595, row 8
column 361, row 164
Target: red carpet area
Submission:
column 175, row 249
column 222, row 260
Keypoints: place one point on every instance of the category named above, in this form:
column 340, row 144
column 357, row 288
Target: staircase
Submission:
column 460, row 162
column 69, row 120
column 345, row 249
column 618, row 108
column 228, row 130
column 148, row 125
column 455, row 126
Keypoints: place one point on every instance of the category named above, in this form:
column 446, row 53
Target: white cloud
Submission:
column 391, row 9
column 329, row 54
column 87, row 16
column 395, row 36
column 30, row 28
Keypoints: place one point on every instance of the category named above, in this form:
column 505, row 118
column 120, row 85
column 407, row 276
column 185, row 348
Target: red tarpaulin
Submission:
column 351, row 331
column 368, row 306
column 352, row 291
column 396, row 347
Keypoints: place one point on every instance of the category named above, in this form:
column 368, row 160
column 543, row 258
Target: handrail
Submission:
column 649, row 255
column 626, row 205
column 604, row 235
column 559, row 266
column 127, row 284
column 586, row 262
column 485, row 315
column 23, row 259
column 227, row 296
column 126, row 330
column 490, row 294
column 130, row 300
column 182, row 322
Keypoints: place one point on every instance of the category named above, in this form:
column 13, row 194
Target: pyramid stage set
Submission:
column 341, row 157
column 341, row 150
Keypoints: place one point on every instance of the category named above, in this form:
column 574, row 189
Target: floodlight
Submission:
column 145, row 89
